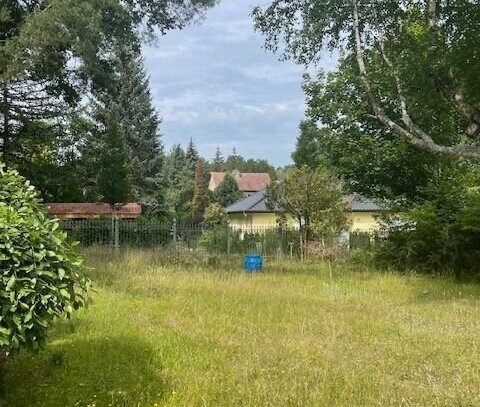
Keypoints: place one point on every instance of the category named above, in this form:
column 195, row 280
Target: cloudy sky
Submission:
column 214, row 82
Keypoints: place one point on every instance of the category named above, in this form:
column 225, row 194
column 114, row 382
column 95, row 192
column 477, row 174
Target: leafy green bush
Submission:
column 215, row 239
column 440, row 234
column 41, row 277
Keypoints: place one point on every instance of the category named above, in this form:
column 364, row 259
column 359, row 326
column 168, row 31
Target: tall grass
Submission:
column 189, row 333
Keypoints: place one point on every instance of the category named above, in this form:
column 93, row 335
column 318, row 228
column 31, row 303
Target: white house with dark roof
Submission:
column 254, row 211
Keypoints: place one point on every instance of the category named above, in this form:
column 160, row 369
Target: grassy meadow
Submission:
column 182, row 334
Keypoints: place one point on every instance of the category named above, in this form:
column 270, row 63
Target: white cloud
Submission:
column 276, row 73
column 215, row 83
column 193, row 107
column 164, row 49
column 232, row 30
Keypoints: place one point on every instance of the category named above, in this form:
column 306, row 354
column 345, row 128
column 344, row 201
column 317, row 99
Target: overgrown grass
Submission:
column 295, row 335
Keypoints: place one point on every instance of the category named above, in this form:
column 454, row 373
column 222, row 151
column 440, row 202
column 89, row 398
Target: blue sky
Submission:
column 214, row 82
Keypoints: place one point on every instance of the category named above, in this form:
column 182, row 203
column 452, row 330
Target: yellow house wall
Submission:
column 362, row 221
column 358, row 221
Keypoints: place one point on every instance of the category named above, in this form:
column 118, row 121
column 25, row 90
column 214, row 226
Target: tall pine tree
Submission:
column 199, row 202
column 113, row 182
column 234, row 161
column 180, row 184
column 139, row 122
column 218, row 164
column 192, row 155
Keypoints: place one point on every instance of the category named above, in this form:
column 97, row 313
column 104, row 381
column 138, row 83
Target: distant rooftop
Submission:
column 357, row 203
column 92, row 210
column 246, row 181
column 257, row 203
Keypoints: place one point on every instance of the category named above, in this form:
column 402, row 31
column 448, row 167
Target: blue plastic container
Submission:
column 253, row 263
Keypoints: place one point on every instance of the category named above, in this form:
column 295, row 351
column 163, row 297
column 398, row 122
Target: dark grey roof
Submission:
column 357, row 203
column 258, row 203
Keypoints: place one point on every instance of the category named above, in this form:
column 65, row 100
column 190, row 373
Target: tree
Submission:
column 314, row 198
column 48, row 154
column 179, row 184
column 234, row 160
column 218, row 164
column 307, row 151
column 370, row 160
column 42, row 277
column 53, row 54
column 114, row 183
column 199, row 202
column 428, row 46
column 439, row 233
column 129, row 90
column 139, row 123
column 227, row 192
column 191, row 155
column 216, row 216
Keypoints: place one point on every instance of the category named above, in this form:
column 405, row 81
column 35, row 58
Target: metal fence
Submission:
column 195, row 239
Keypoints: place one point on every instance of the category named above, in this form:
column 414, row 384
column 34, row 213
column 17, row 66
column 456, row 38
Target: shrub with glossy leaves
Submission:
column 41, row 276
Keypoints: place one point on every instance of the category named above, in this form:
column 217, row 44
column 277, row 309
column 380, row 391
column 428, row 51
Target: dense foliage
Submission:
column 41, row 277
column 395, row 115
column 215, row 215
column 61, row 62
column 371, row 161
column 406, row 55
column 235, row 162
column 138, row 121
column 227, row 192
column 114, row 174
column 313, row 197
column 199, row 202
column 439, row 233
column 179, row 180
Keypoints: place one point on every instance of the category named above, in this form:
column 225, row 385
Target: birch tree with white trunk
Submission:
column 428, row 48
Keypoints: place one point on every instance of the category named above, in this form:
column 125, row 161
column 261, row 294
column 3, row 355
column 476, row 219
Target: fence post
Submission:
column 229, row 243
column 112, row 235
column 117, row 235
column 280, row 243
column 174, row 236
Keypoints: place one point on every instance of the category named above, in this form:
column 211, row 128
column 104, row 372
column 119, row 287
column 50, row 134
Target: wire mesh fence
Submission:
column 183, row 239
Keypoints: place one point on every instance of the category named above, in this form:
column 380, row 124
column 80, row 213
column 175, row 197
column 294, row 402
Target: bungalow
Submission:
column 253, row 211
column 247, row 182
column 92, row 210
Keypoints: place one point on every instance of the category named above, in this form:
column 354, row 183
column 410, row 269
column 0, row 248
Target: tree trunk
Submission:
column 300, row 234
column 6, row 121
column 3, row 359
column 301, row 244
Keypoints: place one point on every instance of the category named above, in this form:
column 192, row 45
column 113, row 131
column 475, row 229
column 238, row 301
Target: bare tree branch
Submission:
column 406, row 118
column 469, row 112
column 403, row 101
column 412, row 134
column 432, row 15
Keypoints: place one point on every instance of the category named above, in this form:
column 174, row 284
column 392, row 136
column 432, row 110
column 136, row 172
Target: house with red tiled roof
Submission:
column 93, row 210
column 247, row 182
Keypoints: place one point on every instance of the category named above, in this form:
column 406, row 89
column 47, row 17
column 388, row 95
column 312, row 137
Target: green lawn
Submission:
column 295, row 335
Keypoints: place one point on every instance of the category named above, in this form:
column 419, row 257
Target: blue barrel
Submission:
column 253, row 263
